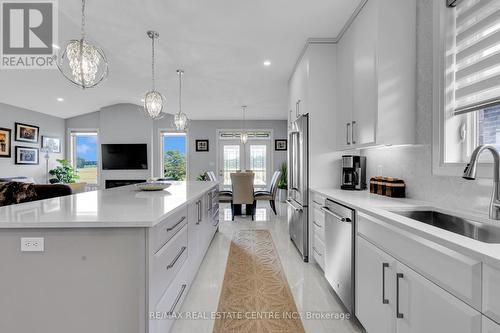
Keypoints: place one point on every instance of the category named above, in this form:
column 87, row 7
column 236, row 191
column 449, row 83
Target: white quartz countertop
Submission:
column 381, row 207
column 118, row 207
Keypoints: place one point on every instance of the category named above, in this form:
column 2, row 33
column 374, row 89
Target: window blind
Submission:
column 477, row 55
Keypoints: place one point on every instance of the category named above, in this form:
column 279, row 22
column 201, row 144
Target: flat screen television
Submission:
column 124, row 156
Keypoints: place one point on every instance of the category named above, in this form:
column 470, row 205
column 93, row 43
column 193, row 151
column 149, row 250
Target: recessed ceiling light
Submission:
column 56, row 46
column 267, row 63
column 142, row 100
column 60, row 99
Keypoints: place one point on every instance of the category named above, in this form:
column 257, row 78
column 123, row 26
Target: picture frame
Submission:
column 27, row 133
column 201, row 145
column 5, row 142
column 52, row 143
column 27, row 156
column 281, row 144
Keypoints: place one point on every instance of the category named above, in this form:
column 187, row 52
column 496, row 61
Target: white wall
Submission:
column 126, row 123
column 414, row 163
column 49, row 125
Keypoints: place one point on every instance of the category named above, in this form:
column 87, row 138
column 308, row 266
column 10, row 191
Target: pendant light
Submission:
column 82, row 62
column 153, row 101
column 181, row 120
column 244, row 134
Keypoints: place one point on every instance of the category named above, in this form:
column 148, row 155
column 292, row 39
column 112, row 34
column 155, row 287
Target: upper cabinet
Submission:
column 377, row 75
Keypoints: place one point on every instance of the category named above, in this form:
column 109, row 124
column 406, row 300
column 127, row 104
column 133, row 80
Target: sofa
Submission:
column 15, row 192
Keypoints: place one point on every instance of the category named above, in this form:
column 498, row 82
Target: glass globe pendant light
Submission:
column 244, row 134
column 153, row 101
column 82, row 62
column 181, row 120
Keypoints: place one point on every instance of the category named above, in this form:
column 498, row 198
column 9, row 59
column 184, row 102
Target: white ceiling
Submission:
column 221, row 45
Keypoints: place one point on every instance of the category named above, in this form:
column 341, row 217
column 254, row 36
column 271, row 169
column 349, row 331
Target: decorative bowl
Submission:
column 153, row 186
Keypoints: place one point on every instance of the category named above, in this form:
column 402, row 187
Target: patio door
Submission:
column 255, row 155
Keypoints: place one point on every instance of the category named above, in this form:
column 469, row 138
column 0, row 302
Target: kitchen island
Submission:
column 117, row 260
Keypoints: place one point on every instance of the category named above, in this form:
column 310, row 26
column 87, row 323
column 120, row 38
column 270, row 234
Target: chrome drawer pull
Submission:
column 172, row 264
column 398, row 276
column 337, row 216
column 178, row 298
column 315, row 250
column 384, row 266
column 319, row 226
column 175, row 225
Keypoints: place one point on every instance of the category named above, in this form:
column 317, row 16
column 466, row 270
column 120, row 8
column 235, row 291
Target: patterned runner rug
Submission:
column 255, row 295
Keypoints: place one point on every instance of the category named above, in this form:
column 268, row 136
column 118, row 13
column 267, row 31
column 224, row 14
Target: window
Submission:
column 258, row 155
column 174, row 163
column 469, row 104
column 84, row 155
column 231, row 161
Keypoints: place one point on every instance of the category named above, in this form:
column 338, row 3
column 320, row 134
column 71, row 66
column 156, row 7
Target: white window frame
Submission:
column 161, row 131
column 71, row 150
column 443, row 108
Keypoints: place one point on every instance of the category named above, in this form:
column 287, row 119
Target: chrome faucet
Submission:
column 471, row 170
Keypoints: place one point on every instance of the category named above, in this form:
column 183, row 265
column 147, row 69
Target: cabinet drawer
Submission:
column 167, row 262
column 160, row 234
column 169, row 304
column 319, row 252
column 319, row 230
column 491, row 292
column 458, row 274
column 489, row 326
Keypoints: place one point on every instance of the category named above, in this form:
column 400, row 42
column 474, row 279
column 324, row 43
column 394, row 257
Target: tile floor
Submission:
column 310, row 289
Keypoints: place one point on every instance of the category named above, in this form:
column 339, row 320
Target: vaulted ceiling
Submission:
column 221, row 45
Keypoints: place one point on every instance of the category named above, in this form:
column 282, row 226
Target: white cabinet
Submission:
column 391, row 297
column 375, row 278
column 376, row 75
column 491, row 292
column 489, row 326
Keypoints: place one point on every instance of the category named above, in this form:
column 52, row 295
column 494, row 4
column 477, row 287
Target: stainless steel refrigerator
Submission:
column 298, row 184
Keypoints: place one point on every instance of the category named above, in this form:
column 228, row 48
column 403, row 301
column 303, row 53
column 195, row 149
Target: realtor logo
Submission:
column 29, row 31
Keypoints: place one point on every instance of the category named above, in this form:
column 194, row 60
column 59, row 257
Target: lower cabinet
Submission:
column 391, row 297
column 489, row 326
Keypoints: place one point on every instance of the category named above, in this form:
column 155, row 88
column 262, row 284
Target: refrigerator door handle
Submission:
column 297, row 209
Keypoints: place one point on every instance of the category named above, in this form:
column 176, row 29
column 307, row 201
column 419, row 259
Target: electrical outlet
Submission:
column 32, row 244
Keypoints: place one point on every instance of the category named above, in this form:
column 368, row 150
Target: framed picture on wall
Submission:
column 5, row 142
column 51, row 143
column 201, row 145
column 27, row 133
column 27, row 155
column 280, row 144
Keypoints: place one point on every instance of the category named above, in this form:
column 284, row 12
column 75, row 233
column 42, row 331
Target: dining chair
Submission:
column 224, row 195
column 270, row 192
column 243, row 193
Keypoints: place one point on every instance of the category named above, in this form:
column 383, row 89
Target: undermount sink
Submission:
column 468, row 228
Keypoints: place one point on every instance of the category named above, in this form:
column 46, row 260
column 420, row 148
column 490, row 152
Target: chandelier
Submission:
column 82, row 62
column 244, row 134
column 181, row 120
column 153, row 101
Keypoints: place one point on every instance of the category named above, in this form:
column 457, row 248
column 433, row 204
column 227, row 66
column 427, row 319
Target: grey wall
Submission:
column 49, row 125
column 200, row 162
column 414, row 164
column 126, row 123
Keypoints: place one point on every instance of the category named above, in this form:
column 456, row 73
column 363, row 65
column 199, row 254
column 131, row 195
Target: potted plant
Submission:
column 282, row 183
column 66, row 174
column 202, row 177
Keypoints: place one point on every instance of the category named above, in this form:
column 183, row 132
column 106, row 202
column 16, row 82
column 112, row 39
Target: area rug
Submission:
column 255, row 294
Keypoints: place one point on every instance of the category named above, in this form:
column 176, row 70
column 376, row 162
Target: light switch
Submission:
column 32, row 244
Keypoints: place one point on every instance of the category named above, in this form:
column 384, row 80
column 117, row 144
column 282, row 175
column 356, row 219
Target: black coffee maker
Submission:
column 353, row 172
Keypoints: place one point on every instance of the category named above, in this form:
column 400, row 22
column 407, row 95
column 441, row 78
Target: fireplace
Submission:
column 111, row 183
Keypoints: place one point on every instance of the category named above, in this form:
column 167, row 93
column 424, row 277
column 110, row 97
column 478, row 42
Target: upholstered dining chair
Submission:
column 224, row 195
column 243, row 191
column 270, row 192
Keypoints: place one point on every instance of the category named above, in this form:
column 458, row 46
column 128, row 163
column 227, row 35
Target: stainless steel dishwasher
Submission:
column 339, row 251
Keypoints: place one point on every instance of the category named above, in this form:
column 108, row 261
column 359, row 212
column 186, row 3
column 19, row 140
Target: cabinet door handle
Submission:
column 175, row 225
column 172, row 264
column 177, row 299
column 316, row 224
column 398, row 277
column 297, row 110
column 198, row 210
column 348, row 125
column 352, row 133
column 384, row 266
